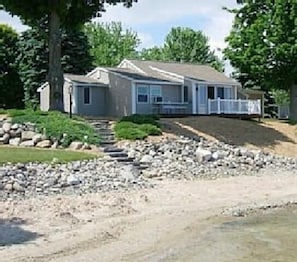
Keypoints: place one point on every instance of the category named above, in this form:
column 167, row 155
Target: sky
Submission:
column 153, row 19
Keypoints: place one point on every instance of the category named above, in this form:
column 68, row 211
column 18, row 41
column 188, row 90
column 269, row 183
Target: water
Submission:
column 271, row 236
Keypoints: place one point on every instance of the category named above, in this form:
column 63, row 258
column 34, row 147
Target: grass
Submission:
column 57, row 126
column 137, row 127
column 25, row 155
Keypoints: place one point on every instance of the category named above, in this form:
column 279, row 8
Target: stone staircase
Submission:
column 108, row 141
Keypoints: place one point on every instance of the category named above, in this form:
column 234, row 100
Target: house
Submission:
column 149, row 87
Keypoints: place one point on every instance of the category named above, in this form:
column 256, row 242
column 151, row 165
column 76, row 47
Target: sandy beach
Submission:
column 159, row 224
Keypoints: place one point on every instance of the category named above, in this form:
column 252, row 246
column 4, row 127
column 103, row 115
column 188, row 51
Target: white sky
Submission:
column 152, row 19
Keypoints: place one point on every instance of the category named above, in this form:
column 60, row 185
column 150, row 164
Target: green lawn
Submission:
column 24, row 155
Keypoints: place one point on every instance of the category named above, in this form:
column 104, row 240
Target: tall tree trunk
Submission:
column 55, row 74
column 293, row 102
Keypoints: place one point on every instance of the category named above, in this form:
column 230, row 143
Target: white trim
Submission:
column 183, row 93
column 149, row 82
column 194, row 98
column 74, row 99
column 167, row 73
column 43, row 86
column 132, row 65
column 133, row 98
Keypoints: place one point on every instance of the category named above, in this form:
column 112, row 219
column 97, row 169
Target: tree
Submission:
column 184, row 45
column 110, row 43
column 33, row 58
column 10, row 85
column 60, row 14
column 262, row 45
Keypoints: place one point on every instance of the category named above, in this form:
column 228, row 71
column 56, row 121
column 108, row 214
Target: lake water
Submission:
column 271, row 237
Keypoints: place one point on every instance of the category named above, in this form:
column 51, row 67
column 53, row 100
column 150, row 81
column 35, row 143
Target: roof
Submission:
column 83, row 79
column 191, row 71
column 139, row 76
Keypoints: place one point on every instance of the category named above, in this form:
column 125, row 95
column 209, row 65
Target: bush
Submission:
column 150, row 129
column 57, row 126
column 125, row 125
column 131, row 134
column 141, row 119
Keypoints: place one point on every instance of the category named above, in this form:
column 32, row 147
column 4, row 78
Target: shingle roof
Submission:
column 138, row 76
column 192, row 71
column 82, row 79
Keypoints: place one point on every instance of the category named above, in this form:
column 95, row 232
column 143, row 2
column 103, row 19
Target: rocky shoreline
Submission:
column 181, row 158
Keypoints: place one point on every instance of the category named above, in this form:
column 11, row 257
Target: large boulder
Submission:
column 75, row 145
column 44, row 144
column 4, row 139
column 146, row 159
column 6, row 127
column 27, row 135
column 1, row 131
column 28, row 143
column 15, row 141
column 203, row 155
column 37, row 138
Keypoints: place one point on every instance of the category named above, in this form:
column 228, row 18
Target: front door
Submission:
column 201, row 93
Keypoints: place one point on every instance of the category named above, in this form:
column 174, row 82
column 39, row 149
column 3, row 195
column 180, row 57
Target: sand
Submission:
column 160, row 224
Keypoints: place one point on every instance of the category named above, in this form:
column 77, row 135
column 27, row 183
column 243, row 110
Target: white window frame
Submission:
column 90, row 95
column 151, row 92
column 148, row 94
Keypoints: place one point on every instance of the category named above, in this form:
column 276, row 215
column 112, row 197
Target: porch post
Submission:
column 133, row 96
column 194, row 98
column 219, row 105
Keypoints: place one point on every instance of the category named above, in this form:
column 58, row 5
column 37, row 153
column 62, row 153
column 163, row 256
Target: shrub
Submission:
column 57, row 126
column 150, row 129
column 131, row 134
column 141, row 119
column 124, row 125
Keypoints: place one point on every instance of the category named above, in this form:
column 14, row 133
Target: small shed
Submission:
column 86, row 96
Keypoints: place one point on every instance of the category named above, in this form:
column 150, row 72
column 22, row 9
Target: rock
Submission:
column 76, row 145
column 28, row 143
column 44, row 144
column 146, row 159
column 73, row 180
column 27, row 135
column 17, row 187
column 8, row 187
column 6, row 127
column 15, row 126
column 203, row 155
column 37, row 138
column 86, row 146
column 55, row 145
column 129, row 173
column 218, row 155
column 15, row 141
column 5, row 139
column 1, row 131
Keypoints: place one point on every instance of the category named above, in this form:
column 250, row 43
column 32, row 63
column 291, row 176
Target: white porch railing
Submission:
column 170, row 108
column 234, row 106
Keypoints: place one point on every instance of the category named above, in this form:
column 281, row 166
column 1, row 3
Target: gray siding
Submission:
column 101, row 75
column 97, row 101
column 44, row 99
column 119, row 96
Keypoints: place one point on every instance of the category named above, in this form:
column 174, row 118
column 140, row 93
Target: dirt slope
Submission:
column 272, row 136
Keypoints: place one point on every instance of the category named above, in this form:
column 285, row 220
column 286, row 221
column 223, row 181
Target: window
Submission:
column 228, row 92
column 87, row 97
column 211, row 92
column 156, row 93
column 221, row 92
column 142, row 94
column 186, row 94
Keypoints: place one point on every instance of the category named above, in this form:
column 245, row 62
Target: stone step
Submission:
column 117, row 154
column 125, row 159
column 113, row 149
column 106, row 134
column 108, row 142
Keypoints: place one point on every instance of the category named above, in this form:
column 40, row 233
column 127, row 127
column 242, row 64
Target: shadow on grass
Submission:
column 231, row 131
column 11, row 232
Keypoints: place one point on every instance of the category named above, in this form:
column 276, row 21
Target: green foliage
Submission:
column 137, row 127
column 60, row 14
column 281, row 97
column 25, row 155
column 110, row 43
column 262, row 45
column 33, row 59
column 184, row 45
column 10, row 85
column 142, row 119
column 150, row 129
column 57, row 126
